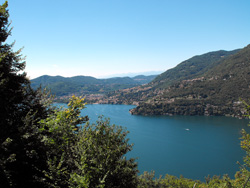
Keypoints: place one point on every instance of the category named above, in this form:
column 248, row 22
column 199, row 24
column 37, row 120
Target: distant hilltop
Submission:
column 214, row 83
column 87, row 86
column 131, row 75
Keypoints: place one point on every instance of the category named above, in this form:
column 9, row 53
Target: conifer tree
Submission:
column 22, row 157
column 44, row 147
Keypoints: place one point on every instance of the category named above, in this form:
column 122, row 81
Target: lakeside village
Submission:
column 102, row 98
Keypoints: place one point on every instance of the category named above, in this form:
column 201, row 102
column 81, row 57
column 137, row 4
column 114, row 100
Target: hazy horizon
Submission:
column 151, row 73
column 104, row 38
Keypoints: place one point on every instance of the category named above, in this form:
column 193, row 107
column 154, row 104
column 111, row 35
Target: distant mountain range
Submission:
column 62, row 87
column 133, row 74
column 208, row 84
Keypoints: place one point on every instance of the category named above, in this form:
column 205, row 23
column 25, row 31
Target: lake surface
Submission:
column 192, row 146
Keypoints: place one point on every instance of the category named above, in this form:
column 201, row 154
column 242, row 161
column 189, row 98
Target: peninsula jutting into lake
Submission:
column 209, row 84
column 192, row 146
column 166, row 130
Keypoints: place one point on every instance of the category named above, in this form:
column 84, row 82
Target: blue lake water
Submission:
column 192, row 146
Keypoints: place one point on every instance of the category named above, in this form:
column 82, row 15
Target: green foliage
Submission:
column 241, row 180
column 104, row 146
column 148, row 180
column 59, row 132
column 22, row 158
column 214, row 90
column 91, row 155
column 244, row 177
column 191, row 68
column 42, row 146
column 84, row 85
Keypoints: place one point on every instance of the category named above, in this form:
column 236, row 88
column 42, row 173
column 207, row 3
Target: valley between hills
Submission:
column 214, row 83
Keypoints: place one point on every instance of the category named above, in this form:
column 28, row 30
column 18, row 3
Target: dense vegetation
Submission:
column 209, row 84
column 43, row 146
column 191, row 68
column 217, row 91
column 86, row 85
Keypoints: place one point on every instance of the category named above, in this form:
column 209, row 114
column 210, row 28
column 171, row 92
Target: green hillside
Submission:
column 85, row 85
column 144, row 79
column 208, row 84
column 214, row 90
column 191, row 68
column 188, row 69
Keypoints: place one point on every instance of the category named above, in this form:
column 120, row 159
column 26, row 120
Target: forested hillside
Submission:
column 90, row 87
column 42, row 146
column 214, row 90
column 208, row 84
column 191, row 68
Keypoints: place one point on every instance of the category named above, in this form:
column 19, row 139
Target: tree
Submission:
column 42, row 146
column 60, row 135
column 102, row 147
column 22, row 158
column 243, row 178
column 86, row 155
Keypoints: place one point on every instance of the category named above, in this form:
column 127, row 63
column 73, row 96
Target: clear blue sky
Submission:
column 106, row 37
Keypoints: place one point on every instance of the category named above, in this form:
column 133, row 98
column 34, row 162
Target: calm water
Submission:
column 191, row 146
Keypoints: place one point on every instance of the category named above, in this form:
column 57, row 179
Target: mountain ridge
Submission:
column 217, row 91
column 206, row 84
column 193, row 66
column 64, row 87
column 197, row 86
